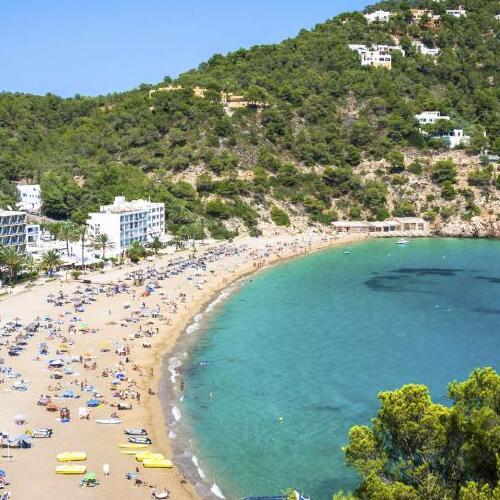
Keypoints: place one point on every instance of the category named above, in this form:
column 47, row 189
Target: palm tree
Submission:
column 68, row 232
column 50, row 261
column 156, row 244
column 103, row 242
column 82, row 233
column 136, row 252
column 13, row 262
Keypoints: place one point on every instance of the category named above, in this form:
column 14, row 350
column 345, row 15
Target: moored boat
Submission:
column 136, row 432
column 109, row 421
column 139, row 440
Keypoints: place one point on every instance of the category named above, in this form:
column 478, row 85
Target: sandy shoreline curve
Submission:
column 183, row 297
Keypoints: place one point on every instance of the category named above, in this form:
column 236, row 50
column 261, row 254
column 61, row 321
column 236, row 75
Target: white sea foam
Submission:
column 223, row 295
column 201, row 472
column 192, row 328
column 217, row 491
column 176, row 413
column 173, row 364
column 172, row 435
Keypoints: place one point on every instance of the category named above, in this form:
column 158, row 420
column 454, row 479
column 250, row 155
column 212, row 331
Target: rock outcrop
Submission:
column 477, row 227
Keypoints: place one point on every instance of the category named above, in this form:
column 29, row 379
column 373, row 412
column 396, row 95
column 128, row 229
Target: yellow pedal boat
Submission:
column 157, row 463
column 71, row 456
column 71, row 469
column 133, row 446
column 145, row 455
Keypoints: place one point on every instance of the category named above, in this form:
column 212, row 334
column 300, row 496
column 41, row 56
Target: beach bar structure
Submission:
column 13, row 230
column 399, row 226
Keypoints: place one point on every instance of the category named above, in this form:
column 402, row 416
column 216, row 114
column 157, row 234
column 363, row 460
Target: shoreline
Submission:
column 151, row 412
column 190, row 467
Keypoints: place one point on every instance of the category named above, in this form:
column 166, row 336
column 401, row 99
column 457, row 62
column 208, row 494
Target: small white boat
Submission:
column 109, row 421
column 403, row 242
column 136, row 432
column 140, row 440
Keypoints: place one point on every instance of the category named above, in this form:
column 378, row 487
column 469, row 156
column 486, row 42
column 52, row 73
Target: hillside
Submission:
column 314, row 134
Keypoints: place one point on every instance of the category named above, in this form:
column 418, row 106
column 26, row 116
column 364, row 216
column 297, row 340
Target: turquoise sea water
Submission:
column 313, row 341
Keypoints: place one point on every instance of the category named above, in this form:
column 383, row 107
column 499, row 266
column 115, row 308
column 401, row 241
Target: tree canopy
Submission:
column 416, row 448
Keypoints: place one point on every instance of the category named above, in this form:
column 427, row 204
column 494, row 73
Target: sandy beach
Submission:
column 117, row 342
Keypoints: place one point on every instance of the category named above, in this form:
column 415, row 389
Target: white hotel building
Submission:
column 13, row 230
column 125, row 222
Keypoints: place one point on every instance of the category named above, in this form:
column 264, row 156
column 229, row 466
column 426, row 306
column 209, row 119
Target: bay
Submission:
column 297, row 354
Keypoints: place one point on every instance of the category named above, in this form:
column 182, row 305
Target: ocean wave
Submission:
column 217, row 491
column 200, row 471
column 192, row 327
column 173, row 364
column 195, row 325
column 222, row 296
column 176, row 413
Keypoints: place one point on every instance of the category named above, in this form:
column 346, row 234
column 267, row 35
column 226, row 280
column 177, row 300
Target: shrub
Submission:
column 404, row 209
column 416, row 168
column 218, row 209
column 448, row 190
column 279, row 217
column 480, row 177
column 75, row 274
column 444, row 171
column 219, row 232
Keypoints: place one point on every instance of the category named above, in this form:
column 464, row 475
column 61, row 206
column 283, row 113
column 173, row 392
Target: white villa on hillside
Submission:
column 398, row 226
column 376, row 55
column 426, row 51
column 457, row 12
column 30, row 198
column 381, row 16
column 454, row 138
column 125, row 222
column 430, row 117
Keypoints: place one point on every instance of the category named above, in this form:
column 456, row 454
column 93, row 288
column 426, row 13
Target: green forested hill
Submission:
column 326, row 116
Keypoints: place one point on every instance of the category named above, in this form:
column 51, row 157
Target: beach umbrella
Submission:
column 52, row 407
column 105, row 346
